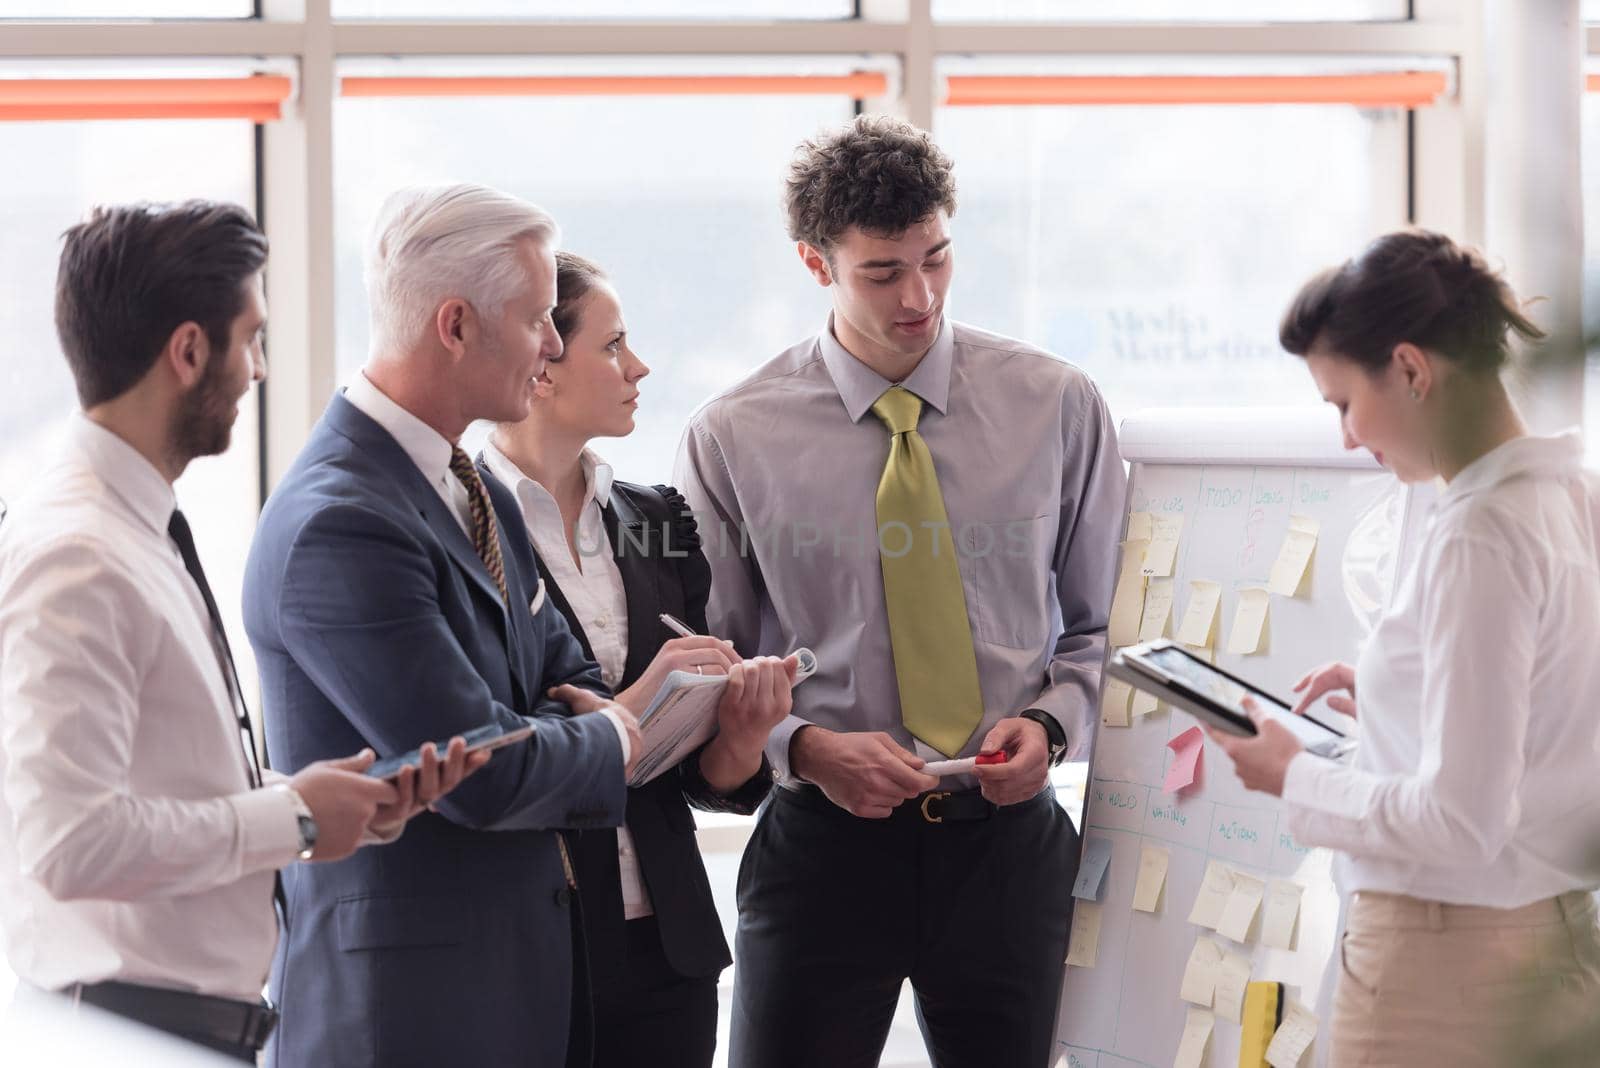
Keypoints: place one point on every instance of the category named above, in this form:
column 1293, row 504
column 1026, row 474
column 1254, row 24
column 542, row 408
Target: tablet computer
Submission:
column 489, row 736
column 1215, row 696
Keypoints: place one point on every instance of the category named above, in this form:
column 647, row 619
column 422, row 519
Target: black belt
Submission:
column 237, row 1027
column 935, row 807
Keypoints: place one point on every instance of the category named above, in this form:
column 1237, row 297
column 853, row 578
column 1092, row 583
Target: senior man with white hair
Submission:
column 392, row 598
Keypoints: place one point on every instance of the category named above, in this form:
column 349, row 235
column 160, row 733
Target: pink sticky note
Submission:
column 1186, row 749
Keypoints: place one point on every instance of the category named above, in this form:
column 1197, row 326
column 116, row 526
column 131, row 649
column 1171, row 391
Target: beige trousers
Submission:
column 1425, row 984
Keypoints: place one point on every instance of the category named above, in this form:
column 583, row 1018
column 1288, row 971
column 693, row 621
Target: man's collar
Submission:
column 859, row 385
column 125, row 471
column 428, row 449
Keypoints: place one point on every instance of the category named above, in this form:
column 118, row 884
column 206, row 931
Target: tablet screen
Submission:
column 1195, row 675
column 1204, row 679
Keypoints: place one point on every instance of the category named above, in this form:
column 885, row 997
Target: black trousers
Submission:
column 655, row 1016
column 835, row 912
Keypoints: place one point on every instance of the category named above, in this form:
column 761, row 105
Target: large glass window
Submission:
column 677, row 198
column 72, row 167
column 1157, row 247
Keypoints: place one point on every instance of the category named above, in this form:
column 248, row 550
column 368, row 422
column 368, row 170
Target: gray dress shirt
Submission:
column 782, row 472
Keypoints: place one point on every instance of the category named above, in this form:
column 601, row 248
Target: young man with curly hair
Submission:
column 934, row 510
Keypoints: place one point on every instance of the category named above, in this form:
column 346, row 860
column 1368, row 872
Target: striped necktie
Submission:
column 485, row 531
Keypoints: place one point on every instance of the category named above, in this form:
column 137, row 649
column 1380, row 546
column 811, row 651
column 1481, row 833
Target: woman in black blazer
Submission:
column 613, row 556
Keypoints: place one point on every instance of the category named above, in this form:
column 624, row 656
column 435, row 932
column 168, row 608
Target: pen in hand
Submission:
column 677, row 626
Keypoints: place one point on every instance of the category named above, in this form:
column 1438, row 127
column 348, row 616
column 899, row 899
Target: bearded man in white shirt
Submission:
column 139, row 836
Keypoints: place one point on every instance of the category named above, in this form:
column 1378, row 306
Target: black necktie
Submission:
column 178, row 530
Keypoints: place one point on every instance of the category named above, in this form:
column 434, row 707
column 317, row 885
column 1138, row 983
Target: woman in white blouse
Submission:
column 1469, row 818
column 613, row 556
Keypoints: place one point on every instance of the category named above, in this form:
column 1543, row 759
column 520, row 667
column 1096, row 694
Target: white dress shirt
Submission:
column 594, row 589
column 1478, row 777
column 132, row 846
column 431, row 451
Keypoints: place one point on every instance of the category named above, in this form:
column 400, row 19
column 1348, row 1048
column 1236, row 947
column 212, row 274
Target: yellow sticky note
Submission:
column 1085, row 945
column 1215, row 889
column 1165, row 531
column 1152, row 876
column 1128, row 600
column 1289, row 570
column 1139, row 527
column 1157, row 609
column 1144, row 703
column 1249, row 622
column 1114, row 705
column 1240, row 912
column 1283, row 909
column 1293, row 1037
column 1200, row 616
column 1233, row 975
column 1196, row 1034
column 1200, row 974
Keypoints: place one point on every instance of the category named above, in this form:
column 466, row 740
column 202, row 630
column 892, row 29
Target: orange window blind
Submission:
column 1409, row 89
column 857, row 86
column 257, row 98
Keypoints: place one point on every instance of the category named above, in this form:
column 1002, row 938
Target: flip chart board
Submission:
column 1251, row 486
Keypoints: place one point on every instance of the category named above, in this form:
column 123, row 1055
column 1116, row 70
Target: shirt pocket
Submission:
column 1007, row 570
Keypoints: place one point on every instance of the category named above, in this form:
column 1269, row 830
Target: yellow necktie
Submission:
column 934, row 662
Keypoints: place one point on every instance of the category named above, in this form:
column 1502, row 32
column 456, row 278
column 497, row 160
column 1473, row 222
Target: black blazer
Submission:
column 657, row 549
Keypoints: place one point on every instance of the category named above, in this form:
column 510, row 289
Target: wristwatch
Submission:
column 308, row 823
column 1055, row 737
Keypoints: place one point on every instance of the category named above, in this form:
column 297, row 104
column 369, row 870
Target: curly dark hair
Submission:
column 1411, row 285
column 879, row 174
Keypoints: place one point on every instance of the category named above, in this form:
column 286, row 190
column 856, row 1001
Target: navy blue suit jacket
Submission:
column 375, row 623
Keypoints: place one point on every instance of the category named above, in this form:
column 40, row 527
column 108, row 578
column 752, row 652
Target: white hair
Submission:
column 434, row 243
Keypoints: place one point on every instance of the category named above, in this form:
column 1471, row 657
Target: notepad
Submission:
column 1165, row 530
column 1200, row 616
column 1114, row 704
column 1299, row 543
column 1128, row 601
column 1249, row 622
column 1233, row 975
column 1196, row 1034
column 1278, row 924
column 1240, row 912
column 1092, row 869
column 682, row 716
column 1215, row 889
column 1200, row 974
column 1153, row 862
column 1293, row 1037
column 1185, row 767
column 1157, row 609
column 1085, row 945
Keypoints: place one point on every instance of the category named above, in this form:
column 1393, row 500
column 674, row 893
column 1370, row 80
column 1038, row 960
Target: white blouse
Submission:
column 593, row 587
column 1478, row 777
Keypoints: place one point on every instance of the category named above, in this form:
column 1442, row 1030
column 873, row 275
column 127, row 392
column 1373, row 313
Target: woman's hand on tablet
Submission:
column 1327, row 678
column 1260, row 761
